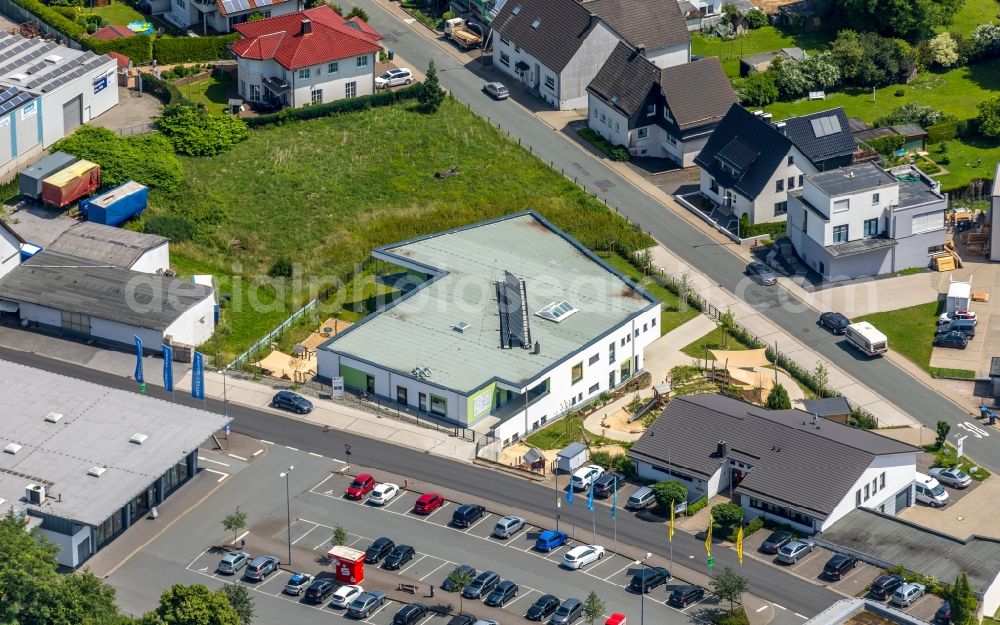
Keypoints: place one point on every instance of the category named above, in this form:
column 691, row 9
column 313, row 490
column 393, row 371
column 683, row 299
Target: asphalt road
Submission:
column 698, row 250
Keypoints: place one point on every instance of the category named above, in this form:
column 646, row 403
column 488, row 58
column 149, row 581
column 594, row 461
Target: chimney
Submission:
column 593, row 21
column 641, row 49
column 307, row 26
column 723, row 449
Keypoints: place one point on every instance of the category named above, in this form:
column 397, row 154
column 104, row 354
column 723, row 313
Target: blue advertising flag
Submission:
column 138, row 360
column 614, row 503
column 569, row 495
column 168, row 368
column 590, row 499
column 198, row 377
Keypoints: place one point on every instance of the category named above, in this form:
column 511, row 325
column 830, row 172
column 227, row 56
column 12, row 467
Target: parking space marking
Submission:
column 266, row 580
column 204, row 459
column 685, row 608
column 304, row 535
column 469, row 529
column 445, row 563
column 442, row 507
column 618, row 571
column 410, row 565
column 224, row 475
column 761, row 608
column 521, row 596
column 237, row 457
column 384, row 605
column 257, row 453
column 780, row 607
column 804, row 618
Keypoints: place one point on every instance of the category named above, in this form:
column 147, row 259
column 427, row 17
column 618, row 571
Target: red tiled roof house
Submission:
column 307, row 57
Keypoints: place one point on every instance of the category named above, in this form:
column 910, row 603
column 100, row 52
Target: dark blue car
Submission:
column 287, row 400
column 549, row 540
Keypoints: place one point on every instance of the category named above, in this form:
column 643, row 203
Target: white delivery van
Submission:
column 930, row 491
column 867, row 338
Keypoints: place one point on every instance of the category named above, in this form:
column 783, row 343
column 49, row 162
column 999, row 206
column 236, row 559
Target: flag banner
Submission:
column 590, row 499
column 614, row 503
column 138, row 360
column 569, row 495
column 168, row 368
column 670, row 532
column 708, row 539
column 739, row 545
column 198, row 376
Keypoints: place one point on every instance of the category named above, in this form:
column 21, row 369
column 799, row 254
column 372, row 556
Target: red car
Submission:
column 427, row 503
column 361, row 486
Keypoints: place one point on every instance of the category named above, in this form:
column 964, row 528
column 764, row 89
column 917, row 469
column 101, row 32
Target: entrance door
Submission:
column 401, row 395
column 83, row 550
column 611, row 380
column 422, row 401
column 370, row 384
column 72, row 114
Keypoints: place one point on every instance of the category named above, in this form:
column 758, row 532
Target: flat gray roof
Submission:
column 915, row 187
column 96, row 425
column 852, row 179
column 105, row 244
column 859, row 246
column 418, row 330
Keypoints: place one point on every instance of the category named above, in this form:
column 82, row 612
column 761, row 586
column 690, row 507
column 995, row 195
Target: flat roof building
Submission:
column 138, row 251
column 87, row 461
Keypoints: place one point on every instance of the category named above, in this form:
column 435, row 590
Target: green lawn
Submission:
column 563, row 432
column 118, row 13
column 323, row 193
column 212, row 92
column 671, row 315
column 767, row 39
column 972, row 14
column 716, row 339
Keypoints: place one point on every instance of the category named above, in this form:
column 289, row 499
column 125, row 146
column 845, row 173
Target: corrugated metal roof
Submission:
column 105, row 244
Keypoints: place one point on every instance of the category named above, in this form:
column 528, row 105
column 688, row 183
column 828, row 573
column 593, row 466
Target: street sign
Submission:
column 229, row 427
column 711, row 562
column 337, row 386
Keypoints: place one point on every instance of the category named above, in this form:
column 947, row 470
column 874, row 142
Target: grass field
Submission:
column 118, row 13
column 972, row 14
column 716, row 339
column 671, row 315
column 323, row 193
column 767, row 39
column 212, row 92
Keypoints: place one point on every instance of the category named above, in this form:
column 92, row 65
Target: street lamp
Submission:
column 287, row 475
column 642, row 587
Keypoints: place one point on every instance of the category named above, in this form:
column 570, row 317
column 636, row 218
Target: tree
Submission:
column 943, row 50
column 911, row 113
column 778, row 399
column 431, row 95
column 984, row 43
column 730, row 13
column 458, row 580
column 870, row 60
column 962, row 601
column 194, row 132
column 757, row 89
column 789, row 78
column 358, row 12
column 669, row 491
column 821, row 376
column 194, row 605
column 728, row 585
column 909, row 19
column 593, row 608
column 727, row 516
column 989, row 117
column 235, row 521
column 339, row 536
column 756, row 18
column 821, row 71
column 943, row 427
column 240, row 598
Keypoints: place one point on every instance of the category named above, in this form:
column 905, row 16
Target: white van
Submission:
column 866, row 338
column 930, row 491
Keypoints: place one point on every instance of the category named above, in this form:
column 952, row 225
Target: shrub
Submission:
column 161, row 89
column 194, row 132
column 697, row 506
column 620, row 154
column 358, row 12
column 757, row 89
column 624, row 465
column 727, row 515
column 937, row 133
column 431, row 95
column 448, row 15
column 943, row 50
column 667, row 491
column 755, row 524
column 773, row 229
column 281, row 268
column 171, row 50
column 778, row 399
column 173, row 228
column 887, row 145
column 139, row 47
column 984, row 42
column 789, row 78
column 350, row 105
column 989, row 117
column 912, row 113
column 899, row 92
column 51, row 17
column 733, row 617
column 756, row 18
column 868, row 59
column 862, row 419
column 601, row 458
column 147, row 159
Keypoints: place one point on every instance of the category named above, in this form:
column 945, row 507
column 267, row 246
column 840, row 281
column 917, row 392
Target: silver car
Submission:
column 762, row 273
column 956, row 478
column 508, row 526
column 790, row 553
column 906, row 594
column 234, row 561
column 496, row 90
column 642, row 498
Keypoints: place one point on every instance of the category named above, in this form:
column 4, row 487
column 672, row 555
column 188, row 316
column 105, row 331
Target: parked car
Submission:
column 550, row 539
column 508, row 526
column 955, row 478
column 569, row 611
column 773, row 543
column 233, row 561
column 929, row 491
column 585, row 476
column 383, row 493
column 394, row 77
column 943, row 614
column 579, row 557
column 365, row 604
column 481, row 586
column 642, row 498
column 496, row 90
column 542, row 608
column 504, row 592
column 361, row 486
column 958, row 314
column 409, row 613
column 835, row 321
column 683, row 596
column 379, row 549
column 605, row 485
column 449, row 586
column 951, row 340
column 319, row 590
column 463, row 619
column 762, row 273
column 885, row 585
column 287, row 400
column 298, row 583
column 427, row 503
column 966, row 326
column 790, row 553
column 261, row 567
column 649, row 578
column 838, row 566
column 399, row 556
column 345, row 595
column 467, row 514
column 906, row 594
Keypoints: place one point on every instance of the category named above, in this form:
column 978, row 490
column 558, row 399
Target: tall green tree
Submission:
column 593, row 608
column 431, row 94
column 728, row 585
column 943, row 427
column 778, row 399
column 194, row 605
column 913, row 20
column 240, row 598
column 459, row 579
column 235, row 521
column 962, row 601
column 358, row 12
column 989, row 117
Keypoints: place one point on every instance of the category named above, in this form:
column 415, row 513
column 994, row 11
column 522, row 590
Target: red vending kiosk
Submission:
column 348, row 564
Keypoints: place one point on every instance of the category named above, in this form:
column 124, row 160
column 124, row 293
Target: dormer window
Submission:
column 650, row 110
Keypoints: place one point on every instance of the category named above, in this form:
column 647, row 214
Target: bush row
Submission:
column 53, row 18
column 171, row 50
column 384, row 98
column 772, row 229
column 614, row 152
column 162, row 89
column 139, row 47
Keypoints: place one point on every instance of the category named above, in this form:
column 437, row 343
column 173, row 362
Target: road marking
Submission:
column 380, row 608
column 779, row 606
column 304, row 535
column 469, row 529
column 410, row 565
column 800, row 616
column 315, row 454
column 204, row 459
column 618, row 571
column 265, row 442
column 434, row 571
column 291, row 448
column 257, row 453
column 428, row 517
column 224, row 475
column 761, row 608
column 196, row 558
column 242, row 536
column 237, row 457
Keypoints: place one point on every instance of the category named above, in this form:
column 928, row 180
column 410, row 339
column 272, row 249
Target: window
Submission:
column 926, row 222
column 791, row 159
column 333, row 68
column 181, row 3
column 645, row 327
column 316, row 96
column 874, row 486
column 351, row 89
column 840, row 234
column 550, row 82
column 881, row 480
column 604, row 119
column 867, row 492
column 805, row 221
column 628, row 338
column 363, row 60
column 304, row 73
column 439, row 406
column 779, row 185
column 857, row 498
column 611, row 352
column 643, row 133
column 593, row 389
column 874, row 199
column 623, row 341
column 254, row 94
column 671, row 140
column 626, row 370
column 505, row 59
column 243, row 88
column 801, row 179
column 839, row 206
column 637, row 333
column 504, row 40
column 666, row 114
column 76, row 322
column 517, row 48
column 780, row 208
column 577, row 372
column 791, row 182
column 652, row 322
column 713, row 186
column 871, row 227
column 650, row 110
column 594, row 359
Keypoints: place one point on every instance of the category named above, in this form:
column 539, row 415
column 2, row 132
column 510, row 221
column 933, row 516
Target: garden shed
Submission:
column 571, row 457
column 914, row 137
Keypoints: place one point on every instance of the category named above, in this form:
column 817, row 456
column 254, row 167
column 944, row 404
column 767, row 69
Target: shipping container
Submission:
column 70, row 184
column 113, row 207
column 30, row 181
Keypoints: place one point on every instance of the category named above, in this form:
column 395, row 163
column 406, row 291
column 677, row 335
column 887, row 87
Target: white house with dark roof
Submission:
column 556, row 47
column 786, row 465
column 220, row 16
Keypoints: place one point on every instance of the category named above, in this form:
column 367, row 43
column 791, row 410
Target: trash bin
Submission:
column 391, row 54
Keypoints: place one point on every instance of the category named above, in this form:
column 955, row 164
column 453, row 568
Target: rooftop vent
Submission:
column 516, row 10
column 35, row 493
column 12, row 448
column 461, row 326
column 53, row 417
column 557, row 311
column 536, row 23
column 18, row 77
column 614, row 99
column 722, row 449
column 849, row 174
column 96, row 471
column 307, row 26
column 53, row 58
column 138, row 438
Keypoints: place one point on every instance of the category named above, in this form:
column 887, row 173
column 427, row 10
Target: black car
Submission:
column 884, row 586
column 965, row 326
column 943, row 614
column 835, row 321
column 683, row 596
column 504, row 592
column 954, row 340
column 287, row 400
column 542, row 608
column 838, row 566
column 481, row 586
column 463, row 619
column 467, row 514
column 775, row 542
column 409, row 613
column 448, row 585
column 605, row 485
column 399, row 556
column 649, row 578
column 379, row 549
column 319, row 590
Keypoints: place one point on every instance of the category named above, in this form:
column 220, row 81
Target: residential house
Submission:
column 304, row 58
column 824, row 137
column 787, row 466
column 556, row 47
column 222, row 16
column 762, row 62
column 660, row 112
column 994, row 252
column 863, row 220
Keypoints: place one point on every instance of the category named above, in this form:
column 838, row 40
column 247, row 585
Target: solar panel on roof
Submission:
column 261, row 3
column 511, row 301
column 824, row 126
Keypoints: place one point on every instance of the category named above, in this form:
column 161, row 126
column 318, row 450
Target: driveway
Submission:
column 133, row 114
column 972, row 511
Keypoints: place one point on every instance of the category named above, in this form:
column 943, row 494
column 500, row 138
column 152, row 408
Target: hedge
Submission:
column 887, row 145
column 139, row 47
column 350, row 105
column 171, row 50
column 161, row 89
column 942, row 132
column 53, row 18
column 773, row 229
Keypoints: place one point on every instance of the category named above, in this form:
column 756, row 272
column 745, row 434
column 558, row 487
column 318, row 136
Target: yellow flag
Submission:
column 708, row 538
column 739, row 545
column 670, row 533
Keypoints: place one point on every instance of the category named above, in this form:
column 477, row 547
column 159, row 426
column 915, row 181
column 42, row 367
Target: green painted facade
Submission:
column 353, row 378
column 491, row 389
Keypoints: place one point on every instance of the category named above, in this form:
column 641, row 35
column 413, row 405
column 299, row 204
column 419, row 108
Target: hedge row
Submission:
column 350, row 105
column 772, row 229
column 139, row 47
column 171, row 50
column 53, row 18
column 942, row 132
column 161, row 89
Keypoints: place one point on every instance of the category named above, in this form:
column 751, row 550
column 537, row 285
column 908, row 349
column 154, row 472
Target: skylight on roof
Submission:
column 516, row 10
column 536, row 22
column 557, row 311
